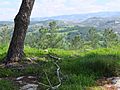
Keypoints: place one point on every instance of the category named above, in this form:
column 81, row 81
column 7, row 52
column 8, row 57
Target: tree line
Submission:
column 50, row 37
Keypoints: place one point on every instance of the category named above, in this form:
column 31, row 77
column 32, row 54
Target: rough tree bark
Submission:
column 22, row 20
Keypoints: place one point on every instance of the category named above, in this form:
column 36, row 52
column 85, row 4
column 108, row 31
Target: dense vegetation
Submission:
column 51, row 36
column 85, row 57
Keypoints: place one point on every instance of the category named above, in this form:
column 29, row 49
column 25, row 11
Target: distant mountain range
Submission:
column 5, row 23
column 78, row 17
column 102, row 23
column 100, row 20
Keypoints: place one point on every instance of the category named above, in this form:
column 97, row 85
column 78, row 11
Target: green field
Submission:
column 79, row 69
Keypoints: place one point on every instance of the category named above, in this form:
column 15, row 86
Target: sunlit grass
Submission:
column 80, row 69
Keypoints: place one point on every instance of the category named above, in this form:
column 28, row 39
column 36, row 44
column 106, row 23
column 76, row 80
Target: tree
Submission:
column 52, row 34
column 76, row 43
column 46, row 37
column 42, row 41
column 93, row 38
column 22, row 20
column 110, row 38
column 5, row 35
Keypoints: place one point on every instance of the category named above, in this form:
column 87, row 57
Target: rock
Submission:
column 110, row 87
column 19, row 78
column 20, row 82
column 30, row 77
column 112, row 83
column 118, row 84
column 29, row 87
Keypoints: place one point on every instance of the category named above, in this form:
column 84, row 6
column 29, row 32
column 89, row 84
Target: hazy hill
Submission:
column 102, row 23
column 5, row 23
column 78, row 17
column 100, row 20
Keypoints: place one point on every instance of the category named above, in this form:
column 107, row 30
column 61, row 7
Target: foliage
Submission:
column 46, row 37
column 80, row 69
column 7, row 85
column 76, row 43
column 5, row 34
column 51, row 36
column 110, row 38
column 84, row 70
column 93, row 38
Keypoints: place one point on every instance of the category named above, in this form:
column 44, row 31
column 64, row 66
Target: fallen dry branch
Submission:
column 50, row 86
column 59, row 78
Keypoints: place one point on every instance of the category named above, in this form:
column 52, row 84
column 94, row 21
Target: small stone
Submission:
column 19, row 78
column 114, row 81
column 20, row 82
column 30, row 77
column 29, row 87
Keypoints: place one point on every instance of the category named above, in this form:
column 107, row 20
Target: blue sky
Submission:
column 47, row 8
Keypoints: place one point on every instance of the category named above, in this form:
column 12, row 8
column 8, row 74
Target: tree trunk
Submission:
column 22, row 20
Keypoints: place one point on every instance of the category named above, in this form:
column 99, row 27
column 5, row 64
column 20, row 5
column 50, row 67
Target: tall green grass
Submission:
column 80, row 69
column 85, row 69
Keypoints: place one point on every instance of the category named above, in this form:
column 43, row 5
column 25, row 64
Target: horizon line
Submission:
column 12, row 20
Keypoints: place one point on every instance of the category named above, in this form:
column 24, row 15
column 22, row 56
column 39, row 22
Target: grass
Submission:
column 84, row 70
column 80, row 70
column 7, row 85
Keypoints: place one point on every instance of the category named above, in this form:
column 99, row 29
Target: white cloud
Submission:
column 113, row 5
column 8, row 9
column 60, row 7
column 44, row 8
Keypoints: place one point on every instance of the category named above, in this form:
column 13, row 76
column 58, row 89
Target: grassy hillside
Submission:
column 79, row 70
